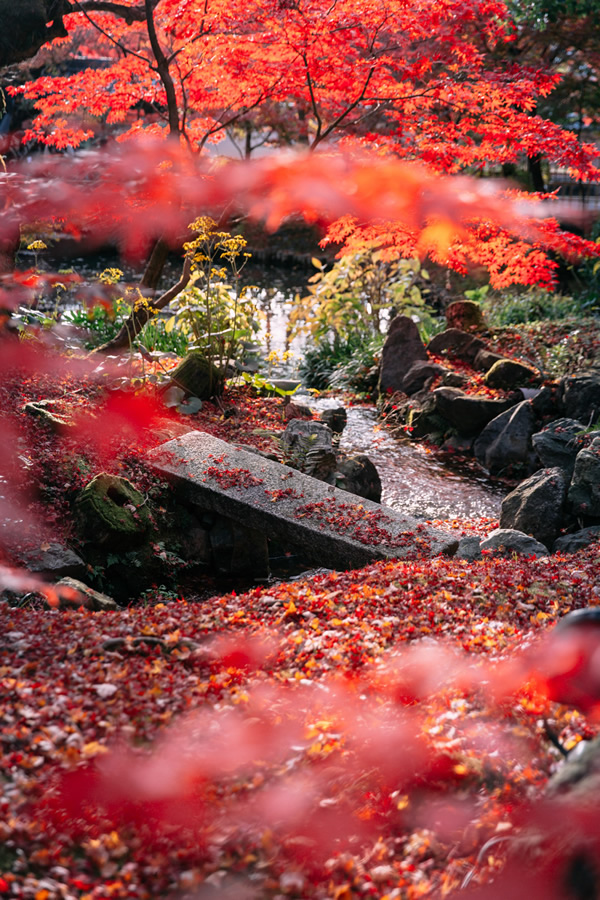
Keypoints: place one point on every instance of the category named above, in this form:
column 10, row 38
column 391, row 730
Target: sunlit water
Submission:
column 415, row 481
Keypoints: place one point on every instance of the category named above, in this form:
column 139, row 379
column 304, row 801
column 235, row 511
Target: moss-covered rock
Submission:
column 110, row 509
column 466, row 315
column 198, row 376
column 508, row 373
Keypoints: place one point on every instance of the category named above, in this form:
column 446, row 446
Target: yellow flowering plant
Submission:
column 215, row 312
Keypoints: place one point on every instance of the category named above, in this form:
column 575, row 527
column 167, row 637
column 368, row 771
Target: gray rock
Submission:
column 238, row 550
column 358, row 475
column 456, row 344
column 469, row 548
column 485, row 359
column 84, row 596
column 335, row 418
column 302, row 435
column 581, row 396
column 559, row 443
column 54, row 562
column 506, row 541
column 420, row 375
column 536, row 506
column 584, row 492
column 301, row 513
column 571, row 543
column 401, row 349
column 467, row 413
column 508, row 373
column 506, row 440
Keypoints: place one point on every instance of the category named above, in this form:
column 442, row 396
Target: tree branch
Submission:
column 162, row 67
column 129, row 14
column 142, row 313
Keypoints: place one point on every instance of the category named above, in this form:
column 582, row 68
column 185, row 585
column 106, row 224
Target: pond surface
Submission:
column 414, row 480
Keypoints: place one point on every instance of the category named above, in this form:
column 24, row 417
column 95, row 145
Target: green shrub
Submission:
column 533, row 305
column 347, row 365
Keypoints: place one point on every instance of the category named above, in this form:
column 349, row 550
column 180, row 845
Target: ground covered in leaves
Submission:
column 358, row 734
column 377, row 733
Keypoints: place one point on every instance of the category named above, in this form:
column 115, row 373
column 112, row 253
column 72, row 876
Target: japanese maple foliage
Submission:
column 417, row 80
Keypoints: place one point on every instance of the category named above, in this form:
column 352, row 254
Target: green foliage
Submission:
column 213, row 316
column 347, row 365
column 358, row 296
column 102, row 324
column 262, row 385
column 534, row 305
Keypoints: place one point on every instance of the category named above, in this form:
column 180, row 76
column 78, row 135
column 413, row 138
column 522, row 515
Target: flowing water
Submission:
column 414, row 480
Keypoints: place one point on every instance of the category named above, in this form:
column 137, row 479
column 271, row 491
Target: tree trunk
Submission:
column 155, row 265
column 143, row 311
column 534, row 166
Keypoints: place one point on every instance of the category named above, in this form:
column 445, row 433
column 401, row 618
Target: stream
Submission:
column 414, row 480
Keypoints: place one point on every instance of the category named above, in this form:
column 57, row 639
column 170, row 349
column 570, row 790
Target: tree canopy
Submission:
column 428, row 80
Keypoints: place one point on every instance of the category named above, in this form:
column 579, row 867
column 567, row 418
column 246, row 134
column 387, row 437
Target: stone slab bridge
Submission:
column 327, row 526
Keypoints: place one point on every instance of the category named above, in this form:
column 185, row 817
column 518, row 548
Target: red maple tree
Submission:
column 415, row 80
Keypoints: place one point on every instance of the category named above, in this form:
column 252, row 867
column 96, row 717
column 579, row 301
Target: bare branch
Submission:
column 129, row 14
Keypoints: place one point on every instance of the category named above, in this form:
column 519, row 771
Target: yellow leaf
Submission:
column 94, row 748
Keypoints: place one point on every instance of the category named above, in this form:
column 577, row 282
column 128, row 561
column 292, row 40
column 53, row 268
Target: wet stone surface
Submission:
column 328, row 526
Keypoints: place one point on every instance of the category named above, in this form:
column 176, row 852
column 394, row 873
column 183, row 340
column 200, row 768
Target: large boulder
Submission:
column 584, row 492
column 558, row 444
column 536, row 506
column 581, row 396
column 579, row 540
column 506, row 440
column 506, row 541
column 467, row 413
column 506, row 374
column 401, row 349
column 456, row 344
column 465, row 315
column 358, row 475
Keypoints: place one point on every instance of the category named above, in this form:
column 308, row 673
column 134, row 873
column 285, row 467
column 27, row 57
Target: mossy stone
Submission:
column 198, row 376
column 109, row 507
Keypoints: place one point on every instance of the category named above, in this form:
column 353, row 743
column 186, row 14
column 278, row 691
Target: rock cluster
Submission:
column 544, row 432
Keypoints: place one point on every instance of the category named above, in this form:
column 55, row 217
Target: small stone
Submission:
column 82, row 595
column 506, row 541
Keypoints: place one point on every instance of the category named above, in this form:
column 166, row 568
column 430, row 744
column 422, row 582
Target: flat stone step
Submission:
column 327, row 526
